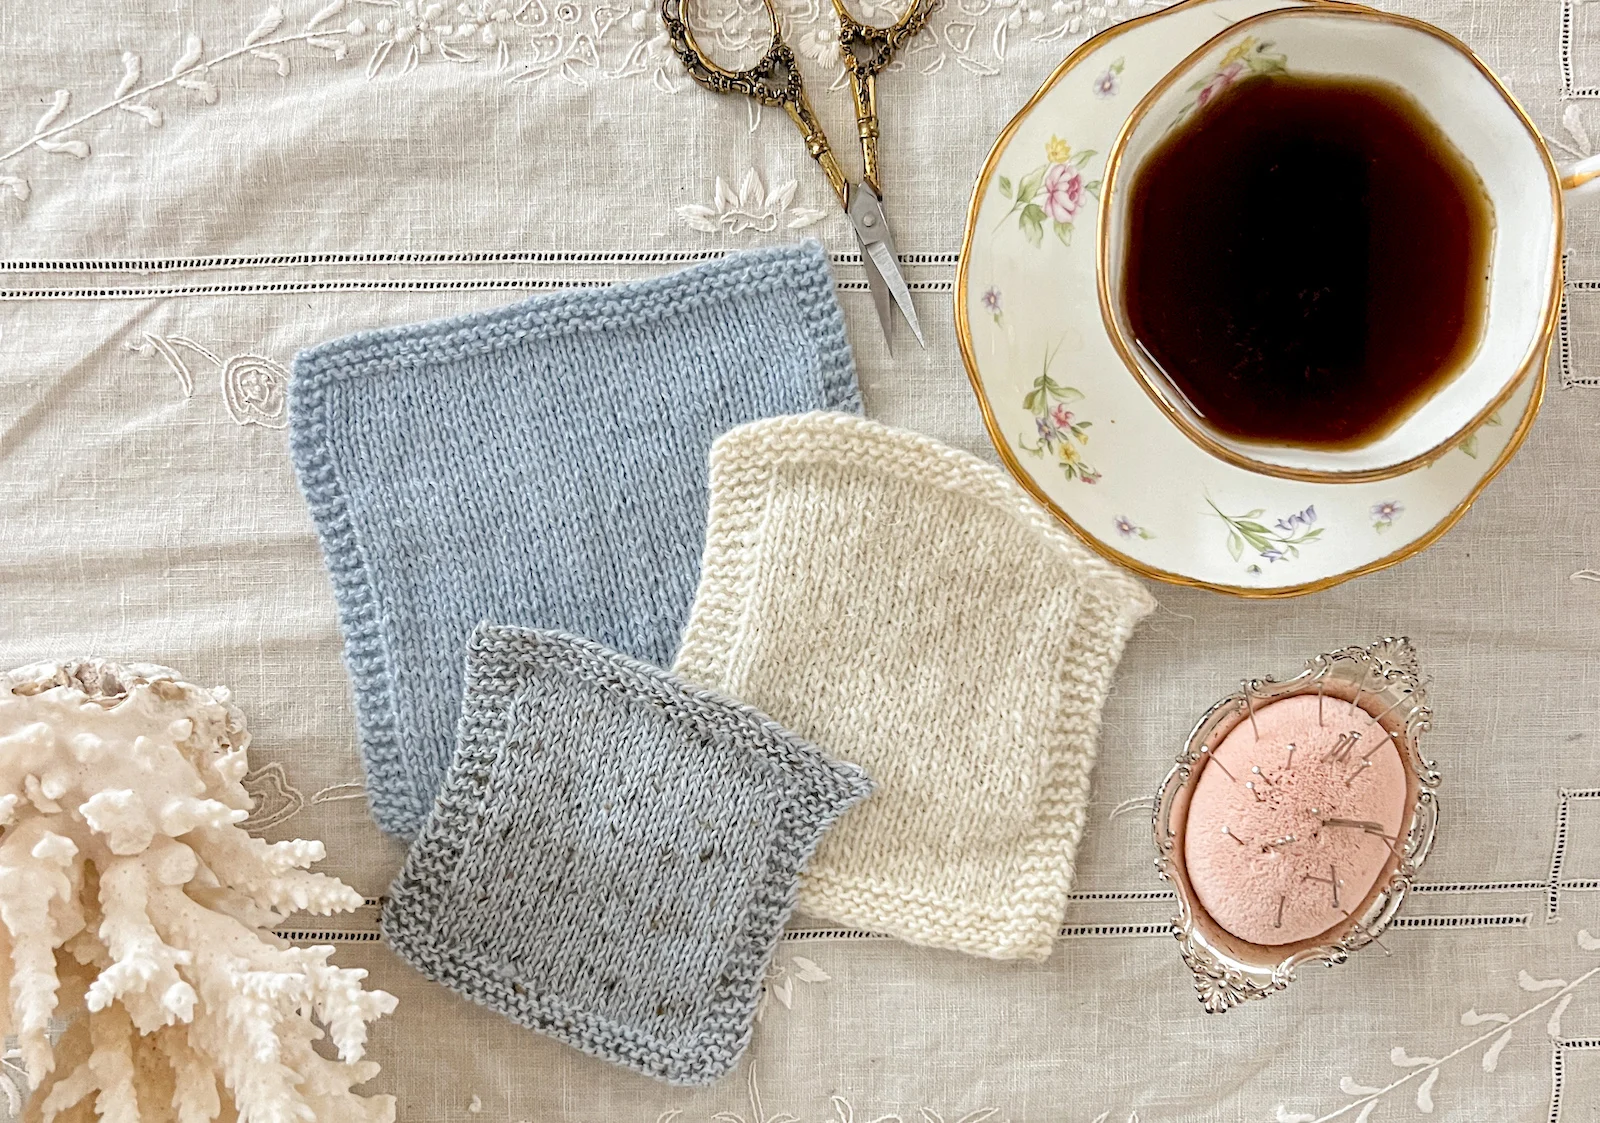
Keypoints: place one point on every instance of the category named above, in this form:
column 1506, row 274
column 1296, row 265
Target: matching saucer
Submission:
column 1074, row 427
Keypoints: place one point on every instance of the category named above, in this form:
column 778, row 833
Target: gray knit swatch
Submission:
column 613, row 853
column 541, row 465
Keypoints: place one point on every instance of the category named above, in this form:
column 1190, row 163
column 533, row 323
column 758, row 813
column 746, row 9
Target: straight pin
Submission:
column 1231, row 835
column 1250, row 706
column 1362, row 767
column 1290, row 762
column 1262, row 776
column 1322, row 684
column 1355, row 703
column 1281, row 901
column 1251, row 788
column 1406, row 697
column 1224, row 768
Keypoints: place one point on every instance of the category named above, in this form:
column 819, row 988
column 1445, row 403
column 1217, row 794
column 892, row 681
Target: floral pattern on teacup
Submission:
column 1054, row 192
column 1249, row 56
column 1279, row 542
column 1469, row 443
column 1059, row 431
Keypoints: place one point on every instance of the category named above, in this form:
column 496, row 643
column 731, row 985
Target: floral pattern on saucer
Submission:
column 1279, row 542
column 1059, row 431
column 1055, row 191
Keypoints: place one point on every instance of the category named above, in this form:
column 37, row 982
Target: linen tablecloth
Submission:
column 169, row 243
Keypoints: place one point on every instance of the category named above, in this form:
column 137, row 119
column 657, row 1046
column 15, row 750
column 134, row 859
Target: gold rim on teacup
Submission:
column 1162, row 394
column 1383, row 679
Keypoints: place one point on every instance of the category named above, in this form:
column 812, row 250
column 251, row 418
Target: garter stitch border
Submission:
column 840, row 464
column 402, row 777
column 479, row 905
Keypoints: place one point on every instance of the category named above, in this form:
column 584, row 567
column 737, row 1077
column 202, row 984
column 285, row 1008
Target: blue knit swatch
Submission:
column 613, row 854
column 541, row 465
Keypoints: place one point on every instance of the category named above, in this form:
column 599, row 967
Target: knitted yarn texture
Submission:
column 906, row 606
column 613, row 854
column 541, row 465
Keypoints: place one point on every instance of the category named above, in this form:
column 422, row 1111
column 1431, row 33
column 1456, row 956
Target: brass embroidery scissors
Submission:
column 775, row 80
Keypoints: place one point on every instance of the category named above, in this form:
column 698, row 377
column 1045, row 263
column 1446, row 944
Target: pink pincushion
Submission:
column 1264, row 861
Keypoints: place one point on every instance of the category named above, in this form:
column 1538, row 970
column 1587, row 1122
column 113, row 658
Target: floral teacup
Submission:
column 1475, row 111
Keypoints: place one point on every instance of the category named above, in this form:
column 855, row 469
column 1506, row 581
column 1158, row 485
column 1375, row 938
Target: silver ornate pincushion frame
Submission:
column 1385, row 681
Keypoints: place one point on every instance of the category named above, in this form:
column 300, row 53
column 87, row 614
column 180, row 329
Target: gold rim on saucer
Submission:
column 1536, row 352
column 1471, row 488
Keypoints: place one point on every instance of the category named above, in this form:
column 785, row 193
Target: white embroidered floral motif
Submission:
column 276, row 799
column 255, row 389
column 753, row 207
column 778, row 983
column 1493, row 1041
column 845, row 1112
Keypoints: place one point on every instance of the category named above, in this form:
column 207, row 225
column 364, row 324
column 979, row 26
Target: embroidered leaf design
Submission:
column 148, row 113
column 1473, row 1018
column 1133, row 1117
column 278, row 59
column 1366, row 1112
column 1401, row 1059
column 1553, row 1026
column 1572, row 121
column 1529, row 983
column 1425, row 1092
column 270, row 22
column 193, row 51
column 808, row 972
column 340, row 51
column 783, row 991
column 132, row 68
column 57, row 108
column 1586, row 941
column 979, row 1116
column 18, row 188
column 316, row 21
column 380, row 55
column 1351, row 1088
column 780, row 195
column 204, row 87
column 1284, row 1115
column 1491, row 1055
column 802, row 217
column 75, row 148
column 699, row 218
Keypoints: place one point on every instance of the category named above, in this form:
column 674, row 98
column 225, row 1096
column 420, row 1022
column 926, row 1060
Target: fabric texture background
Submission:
column 613, row 853
column 494, row 467
column 907, row 607
column 154, row 292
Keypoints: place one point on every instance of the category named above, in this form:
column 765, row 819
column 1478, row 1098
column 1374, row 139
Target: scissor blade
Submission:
column 880, row 298
column 877, row 254
column 888, row 270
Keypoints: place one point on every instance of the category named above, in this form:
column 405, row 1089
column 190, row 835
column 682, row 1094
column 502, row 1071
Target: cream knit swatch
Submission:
column 906, row 607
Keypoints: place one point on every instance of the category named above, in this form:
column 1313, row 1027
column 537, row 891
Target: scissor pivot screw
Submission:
column 869, row 220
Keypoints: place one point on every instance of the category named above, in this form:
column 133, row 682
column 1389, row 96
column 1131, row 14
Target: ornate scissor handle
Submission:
column 867, row 50
column 775, row 80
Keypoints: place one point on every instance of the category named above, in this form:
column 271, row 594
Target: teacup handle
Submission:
column 1581, row 178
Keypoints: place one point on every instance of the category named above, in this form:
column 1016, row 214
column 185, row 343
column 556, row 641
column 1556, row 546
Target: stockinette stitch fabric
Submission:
column 613, row 854
column 906, row 606
column 540, row 465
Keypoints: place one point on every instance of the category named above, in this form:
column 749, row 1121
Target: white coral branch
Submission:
column 129, row 889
